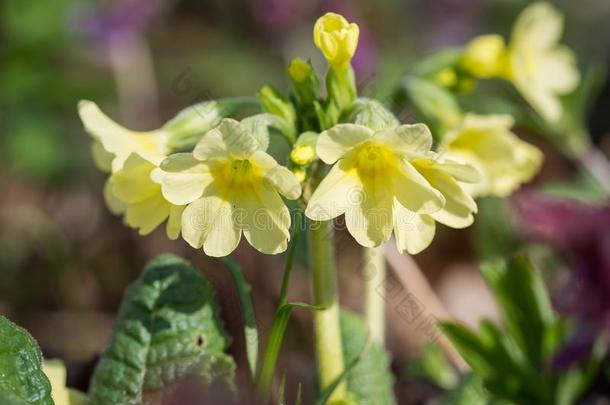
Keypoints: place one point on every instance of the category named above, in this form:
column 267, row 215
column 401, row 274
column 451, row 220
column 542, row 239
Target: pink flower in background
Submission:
column 580, row 233
column 123, row 18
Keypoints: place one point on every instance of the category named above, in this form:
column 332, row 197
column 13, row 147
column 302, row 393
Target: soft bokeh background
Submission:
column 65, row 261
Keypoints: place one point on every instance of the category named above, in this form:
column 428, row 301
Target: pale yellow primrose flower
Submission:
column 485, row 56
column 230, row 186
column 55, row 371
column 119, row 141
column 416, row 231
column 487, row 143
column 539, row 67
column 336, row 38
column 135, row 191
column 375, row 182
column 132, row 158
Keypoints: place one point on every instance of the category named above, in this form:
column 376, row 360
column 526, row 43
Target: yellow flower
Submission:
column 118, row 141
column 135, row 191
column 62, row 395
column 336, row 38
column 376, row 183
column 487, row 143
column 539, row 67
column 133, row 188
column 414, row 231
column 485, row 56
column 230, row 186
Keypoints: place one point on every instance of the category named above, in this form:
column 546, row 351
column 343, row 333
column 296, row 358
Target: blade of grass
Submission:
column 250, row 330
column 274, row 343
column 290, row 259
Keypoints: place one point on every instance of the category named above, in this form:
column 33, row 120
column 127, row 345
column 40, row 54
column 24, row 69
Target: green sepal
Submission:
column 190, row 124
column 373, row 114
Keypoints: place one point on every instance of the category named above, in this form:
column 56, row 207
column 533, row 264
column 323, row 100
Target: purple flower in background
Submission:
column 124, row 18
column 580, row 233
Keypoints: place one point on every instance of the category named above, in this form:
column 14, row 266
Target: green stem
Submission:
column 374, row 273
column 329, row 351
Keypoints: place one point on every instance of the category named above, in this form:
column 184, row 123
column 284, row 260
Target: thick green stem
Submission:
column 329, row 351
column 374, row 273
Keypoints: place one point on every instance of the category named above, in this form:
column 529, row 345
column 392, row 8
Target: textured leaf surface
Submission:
column 167, row 327
column 369, row 381
column 22, row 380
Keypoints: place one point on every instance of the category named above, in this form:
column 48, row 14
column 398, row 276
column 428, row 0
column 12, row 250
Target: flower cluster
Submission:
column 534, row 61
column 210, row 176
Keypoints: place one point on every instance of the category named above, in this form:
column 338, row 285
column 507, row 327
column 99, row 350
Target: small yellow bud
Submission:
column 302, row 154
column 299, row 70
column 446, row 77
column 485, row 56
column 336, row 38
column 300, row 174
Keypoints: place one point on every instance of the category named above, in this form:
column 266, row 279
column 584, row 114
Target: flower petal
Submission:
column 184, row 178
column 340, row 188
column 335, row 142
column 414, row 192
column 174, row 222
column 413, row 232
column 368, row 215
column 459, row 206
column 209, row 222
column 265, row 219
column 407, row 140
column 279, row 176
column 539, row 25
column 147, row 214
column 118, row 140
column 114, row 204
column 132, row 183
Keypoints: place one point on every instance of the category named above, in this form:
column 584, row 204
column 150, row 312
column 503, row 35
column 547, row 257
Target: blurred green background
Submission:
column 65, row 261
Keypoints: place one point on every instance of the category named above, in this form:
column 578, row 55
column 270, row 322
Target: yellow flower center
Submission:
column 372, row 160
column 235, row 174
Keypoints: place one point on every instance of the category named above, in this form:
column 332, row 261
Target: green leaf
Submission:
column 470, row 391
column 524, row 303
column 250, row 329
column 470, row 347
column 274, row 343
column 495, row 237
column 434, row 366
column 437, row 107
column 22, row 380
column 168, row 326
column 369, row 381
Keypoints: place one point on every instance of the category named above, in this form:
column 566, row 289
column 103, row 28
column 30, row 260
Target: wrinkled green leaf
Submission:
column 22, row 380
column 369, row 381
column 168, row 326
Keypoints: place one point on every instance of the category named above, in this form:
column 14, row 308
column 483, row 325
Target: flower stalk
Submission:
column 329, row 350
column 374, row 273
